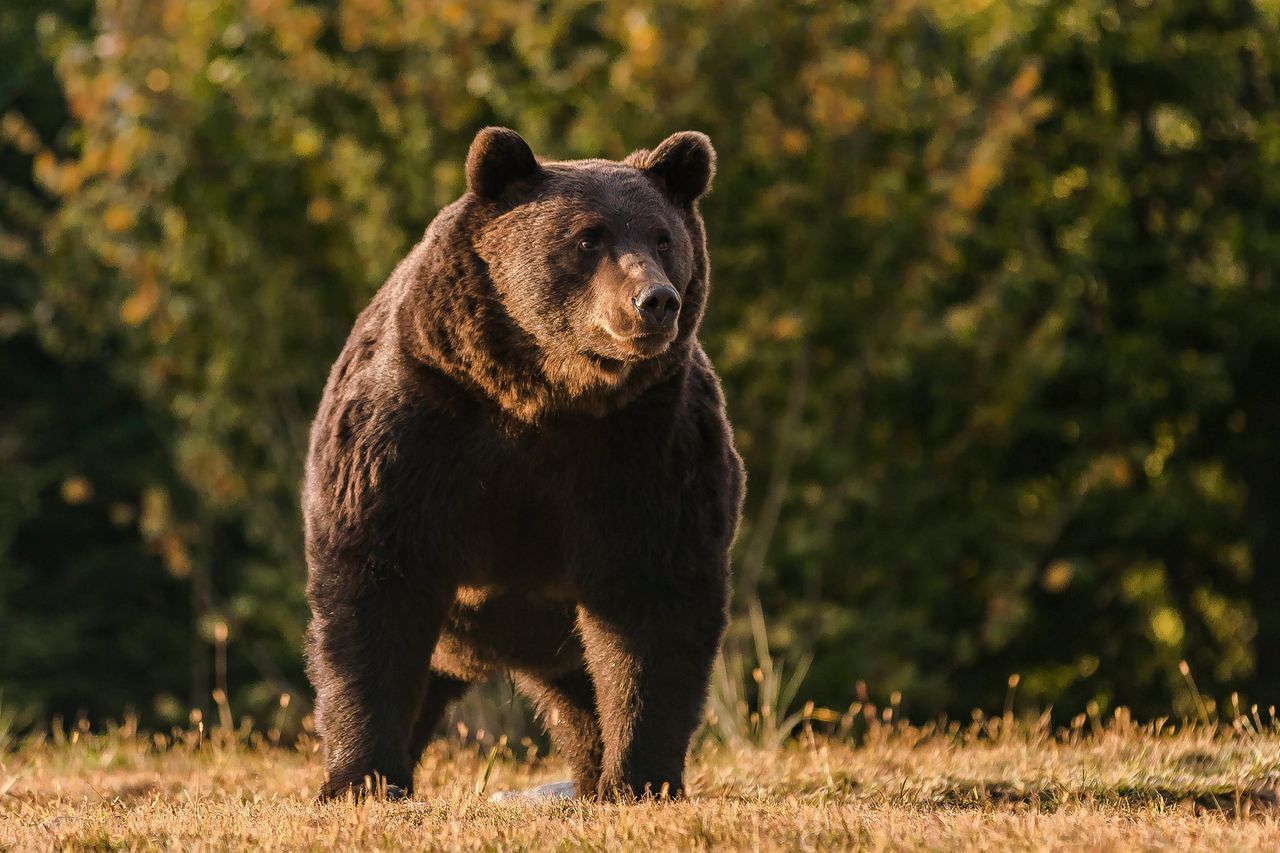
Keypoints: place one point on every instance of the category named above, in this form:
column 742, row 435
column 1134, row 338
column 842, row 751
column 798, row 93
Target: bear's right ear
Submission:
column 498, row 156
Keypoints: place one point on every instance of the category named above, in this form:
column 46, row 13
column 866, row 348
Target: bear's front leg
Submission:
column 369, row 650
column 650, row 650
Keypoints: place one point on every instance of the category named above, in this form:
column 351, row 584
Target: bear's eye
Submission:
column 588, row 244
column 664, row 243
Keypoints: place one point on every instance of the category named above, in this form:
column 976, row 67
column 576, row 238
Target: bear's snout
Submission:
column 658, row 307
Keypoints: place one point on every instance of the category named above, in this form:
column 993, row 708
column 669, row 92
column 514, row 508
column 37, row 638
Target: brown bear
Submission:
column 522, row 463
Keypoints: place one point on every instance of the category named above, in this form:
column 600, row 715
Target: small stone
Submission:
column 549, row 792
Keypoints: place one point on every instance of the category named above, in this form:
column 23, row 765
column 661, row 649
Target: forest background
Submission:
column 994, row 301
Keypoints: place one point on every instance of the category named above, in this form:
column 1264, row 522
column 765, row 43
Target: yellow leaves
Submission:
column 46, row 170
column 453, row 13
column 834, row 84
column 355, row 19
column 155, row 512
column 1073, row 237
column 1216, row 485
column 116, row 158
column 981, row 175
column 297, row 28
column 1144, row 581
column 492, row 30
column 266, row 9
column 833, row 108
column 1069, row 181
column 1025, row 82
column 141, row 304
column 173, row 17
column 15, row 130
column 634, row 30
column 308, row 23
column 211, row 471
column 642, row 37
column 1167, row 627
column 162, row 532
column 174, row 223
column 787, row 327
column 1057, row 576
column 1153, row 464
column 176, row 556
column 118, row 218
column 1174, row 128
column 157, row 80
column 768, row 137
column 765, row 325
column 871, row 206
column 109, row 45
column 853, row 65
column 390, row 114
column 12, row 247
column 1087, row 665
column 480, row 82
column 1008, row 119
column 962, row 320
column 794, row 141
column 77, row 490
column 319, row 210
column 220, row 71
column 306, row 142
column 1119, row 471
column 1108, row 469
column 109, row 97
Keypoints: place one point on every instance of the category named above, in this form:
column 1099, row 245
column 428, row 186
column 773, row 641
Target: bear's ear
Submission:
column 684, row 163
column 498, row 156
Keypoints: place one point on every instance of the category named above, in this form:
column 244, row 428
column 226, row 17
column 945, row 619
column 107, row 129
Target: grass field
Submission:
column 993, row 784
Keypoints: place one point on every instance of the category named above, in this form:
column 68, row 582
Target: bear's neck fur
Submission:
column 450, row 319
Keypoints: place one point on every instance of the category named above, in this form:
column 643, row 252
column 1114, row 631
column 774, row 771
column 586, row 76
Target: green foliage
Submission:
column 993, row 298
column 89, row 620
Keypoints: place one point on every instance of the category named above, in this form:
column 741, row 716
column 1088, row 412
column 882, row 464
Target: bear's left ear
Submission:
column 498, row 157
column 684, row 163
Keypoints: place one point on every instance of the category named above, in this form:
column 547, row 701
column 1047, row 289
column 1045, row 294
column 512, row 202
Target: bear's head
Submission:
column 600, row 264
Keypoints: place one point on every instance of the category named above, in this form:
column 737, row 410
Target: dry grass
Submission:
column 992, row 785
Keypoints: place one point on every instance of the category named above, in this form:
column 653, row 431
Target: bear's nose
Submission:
column 657, row 306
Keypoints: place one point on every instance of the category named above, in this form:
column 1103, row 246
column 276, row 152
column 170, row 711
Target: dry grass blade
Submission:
column 752, row 698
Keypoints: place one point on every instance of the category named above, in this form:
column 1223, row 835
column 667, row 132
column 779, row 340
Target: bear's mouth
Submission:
column 636, row 347
column 624, row 351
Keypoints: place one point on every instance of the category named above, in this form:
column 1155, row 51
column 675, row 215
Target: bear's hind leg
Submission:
column 567, row 706
column 441, row 691
column 369, row 652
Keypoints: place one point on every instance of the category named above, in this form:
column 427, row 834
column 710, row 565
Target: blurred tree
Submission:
column 89, row 619
column 993, row 303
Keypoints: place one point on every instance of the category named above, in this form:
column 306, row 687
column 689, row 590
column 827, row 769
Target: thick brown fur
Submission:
column 515, row 468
